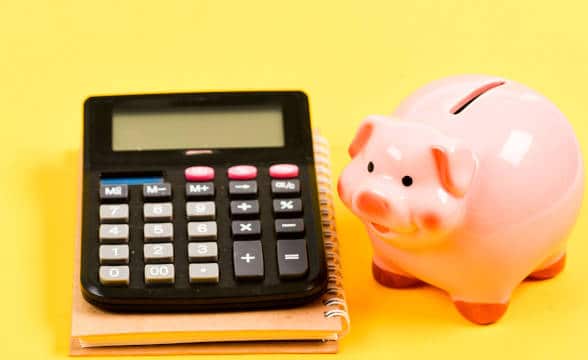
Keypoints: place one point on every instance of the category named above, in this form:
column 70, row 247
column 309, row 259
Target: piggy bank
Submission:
column 472, row 186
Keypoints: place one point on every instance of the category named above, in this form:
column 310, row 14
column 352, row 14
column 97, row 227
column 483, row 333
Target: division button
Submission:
column 159, row 274
column 204, row 273
column 245, row 208
column 248, row 259
column 113, row 233
column 202, row 230
column 202, row 251
column 287, row 207
column 158, row 252
column 292, row 258
column 283, row 171
column 114, row 254
column 199, row 190
column 289, row 226
column 158, row 232
column 286, row 187
column 200, row 210
column 114, row 275
column 242, row 172
column 243, row 188
column 157, row 212
column 199, row 173
column 246, row 229
column 161, row 191
column 115, row 213
column 114, row 192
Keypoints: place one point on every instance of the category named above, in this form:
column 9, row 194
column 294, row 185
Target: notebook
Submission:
column 312, row 328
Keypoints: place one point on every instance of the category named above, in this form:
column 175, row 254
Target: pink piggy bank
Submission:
column 472, row 186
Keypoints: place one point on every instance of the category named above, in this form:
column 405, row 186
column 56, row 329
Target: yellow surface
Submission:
column 353, row 59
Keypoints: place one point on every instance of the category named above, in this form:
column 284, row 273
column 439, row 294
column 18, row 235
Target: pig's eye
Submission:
column 370, row 166
column 406, row 180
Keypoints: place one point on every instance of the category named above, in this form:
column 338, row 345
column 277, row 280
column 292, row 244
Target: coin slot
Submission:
column 471, row 97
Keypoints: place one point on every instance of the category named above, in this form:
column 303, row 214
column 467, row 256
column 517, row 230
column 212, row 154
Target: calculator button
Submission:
column 114, row 213
column 286, row 187
column 114, row 192
column 200, row 210
column 283, row 171
column 202, row 230
column 242, row 172
column 287, row 206
column 158, row 232
column 159, row 274
column 243, row 188
column 200, row 190
column 113, row 233
column 292, row 258
column 242, row 229
column 158, row 212
column 289, row 226
column 248, row 259
column 161, row 191
column 114, row 254
column 158, row 252
column 244, row 208
column 114, row 275
column 199, row 173
column 204, row 273
column 203, row 251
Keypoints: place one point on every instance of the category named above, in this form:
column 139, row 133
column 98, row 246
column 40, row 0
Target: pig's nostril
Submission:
column 373, row 204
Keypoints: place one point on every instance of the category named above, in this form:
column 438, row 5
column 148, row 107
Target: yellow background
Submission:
column 353, row 58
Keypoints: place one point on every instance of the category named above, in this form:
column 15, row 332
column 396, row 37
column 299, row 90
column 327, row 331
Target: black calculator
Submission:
column 200, row 201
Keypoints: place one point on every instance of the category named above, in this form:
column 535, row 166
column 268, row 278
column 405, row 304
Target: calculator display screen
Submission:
column 198, row 128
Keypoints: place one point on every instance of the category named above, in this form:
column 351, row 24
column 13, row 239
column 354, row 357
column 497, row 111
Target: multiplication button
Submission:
column 246, row 229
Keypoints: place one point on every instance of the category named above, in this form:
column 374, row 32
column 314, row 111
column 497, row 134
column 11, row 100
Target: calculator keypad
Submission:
column 202, row 255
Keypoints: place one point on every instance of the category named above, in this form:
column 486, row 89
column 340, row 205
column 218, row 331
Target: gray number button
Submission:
column 204, row 273
column 114, row 254
column 202, row 251
column 157, row 212
column 158, row 232
column 202, row 230
column 158, row 252
column 114, row 275
column 113, row 233
column 159, row 274
column 114, row 213
column 200, row 210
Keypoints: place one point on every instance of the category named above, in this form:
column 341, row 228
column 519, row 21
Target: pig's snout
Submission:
column 373, row 205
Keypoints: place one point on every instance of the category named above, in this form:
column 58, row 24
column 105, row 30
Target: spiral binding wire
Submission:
column 334, row 298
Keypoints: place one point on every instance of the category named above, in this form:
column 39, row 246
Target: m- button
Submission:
column 157, row 191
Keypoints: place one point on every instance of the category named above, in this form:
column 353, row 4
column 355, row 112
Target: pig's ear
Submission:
column 456, row 166
column 364, row 133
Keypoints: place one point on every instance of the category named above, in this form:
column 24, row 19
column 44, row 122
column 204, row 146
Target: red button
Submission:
column 242, row 172
column 283, row 171
column 199, row 173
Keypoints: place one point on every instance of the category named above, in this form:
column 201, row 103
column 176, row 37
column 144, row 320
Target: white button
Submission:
column 159, row 274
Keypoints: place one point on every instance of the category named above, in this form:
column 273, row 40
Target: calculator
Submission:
column 200, row 201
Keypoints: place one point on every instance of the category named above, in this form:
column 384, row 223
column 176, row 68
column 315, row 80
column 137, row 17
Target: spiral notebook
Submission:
column 313, row 328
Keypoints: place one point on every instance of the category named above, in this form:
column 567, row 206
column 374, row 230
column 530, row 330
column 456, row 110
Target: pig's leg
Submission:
column 390, row 275
column 481, row 313
column 550, row 267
